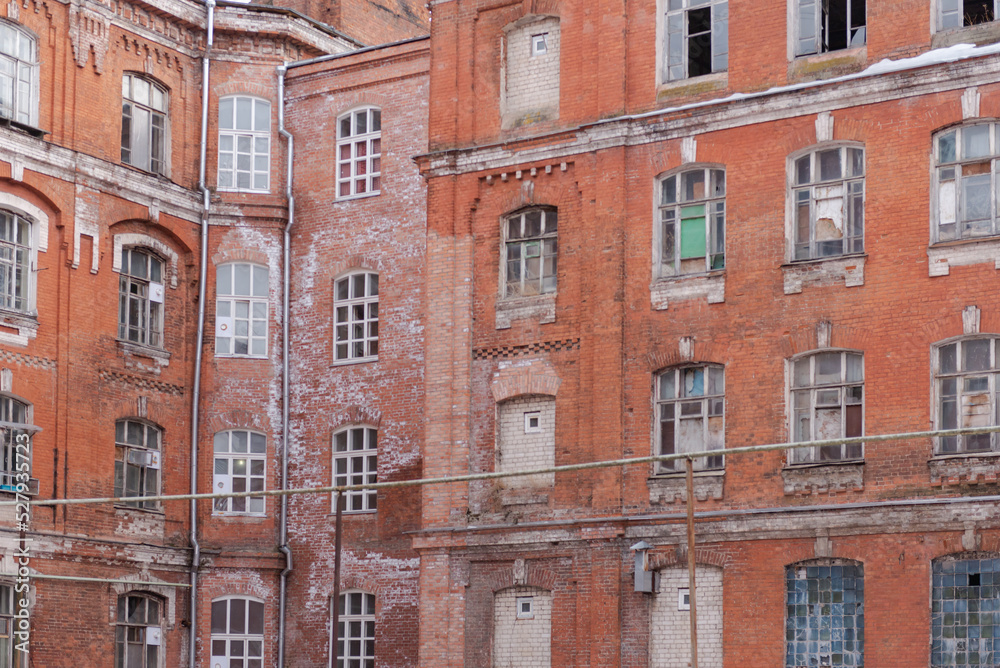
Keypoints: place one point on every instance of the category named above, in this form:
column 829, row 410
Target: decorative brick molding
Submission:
column 354, row 263
column 355, row 415
column 673, row 489
column 27, row 360
column 145, row 241
column 167, row 594
column 678, row 556
column 529, row 377
column 360, row 582
column 240, row 255
column 237, row 419
column 140, row 407
column 711, row 288
column 981, row 469
column 849, row 270
column 534, row 576
column 824, row 479
column 237, row 87
column 142, row 383
column 539, row 307
column 507, row 352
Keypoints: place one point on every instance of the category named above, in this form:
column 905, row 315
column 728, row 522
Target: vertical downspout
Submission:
column 286, row 277
column 196, row 394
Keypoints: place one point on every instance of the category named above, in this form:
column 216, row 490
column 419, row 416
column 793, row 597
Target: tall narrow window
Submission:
column 138, row 635
column 959, row 13
column 693, row 222
column 691, row 406
column 965, row 611
column 825, row 614
column 18, row 75
column 16, row 414
column 137, row 462
column 359, row 153
column 829, row 25
column 237, row 633
column 356, row 630
column 10, row 656
column 697, row 38
column 239, row 467
column 241, row 310
column 966, row 387
column 967, row 166
column 530, row 252
column 829, row 203
column 140, row 298
column 355, row 462
column 244, row 143
column 355, row 306
column 828, row 402
column 15, row 261
column 144, row 123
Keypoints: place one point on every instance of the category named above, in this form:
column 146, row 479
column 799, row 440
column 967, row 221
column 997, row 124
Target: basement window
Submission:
column 829, row 25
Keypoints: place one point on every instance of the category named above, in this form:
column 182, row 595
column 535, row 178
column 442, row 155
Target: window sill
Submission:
column 244, row 191
column 962, row 252
column 523, row 497
column 350, row 198
column 350, row 513
column 710, row 286
column 239, row 516
column 23, row 127
column 541, row 307
column 823, row 478
column 672, row 487
column 969, row 469
column 706, row 83
column 352, row 361
column 824, row 271
column 241, row 357
column 984, row 33
column 828, row 65
column 131, row 349
column 25, row 324
column 144, row 511
column 12, row 489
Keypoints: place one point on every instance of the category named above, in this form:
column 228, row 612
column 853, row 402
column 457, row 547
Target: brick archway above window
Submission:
column 360, row 583
column 532, row 377
column 144, row 241
column 241, row 255
column 238, row 419
column 535, row 576
column 356, row 415
column 354, row 263
column 678, row 556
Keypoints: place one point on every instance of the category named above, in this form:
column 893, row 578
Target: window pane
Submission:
column 226, row 113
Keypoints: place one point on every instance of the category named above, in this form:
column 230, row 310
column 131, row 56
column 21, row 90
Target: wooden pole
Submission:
column 691, row 578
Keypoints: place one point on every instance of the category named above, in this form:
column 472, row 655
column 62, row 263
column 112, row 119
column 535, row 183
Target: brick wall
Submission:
column 526, row 439
column 670, row 627
column 531, row 76
column 520, row 639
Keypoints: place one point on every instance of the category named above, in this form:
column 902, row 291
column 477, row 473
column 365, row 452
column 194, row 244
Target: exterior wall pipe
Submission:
column 202, row 276
column 285, row 309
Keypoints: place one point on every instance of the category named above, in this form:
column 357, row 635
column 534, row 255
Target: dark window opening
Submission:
column 843, row 24
column 699, row 41
column 975, row 12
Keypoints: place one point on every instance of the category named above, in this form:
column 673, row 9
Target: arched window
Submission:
column 241, row 310
column 137, row 462
column 965, row 385
column 965, row 610
column 966, row 164
column 140, row 302
column 355, row 318
column 16, row 418
column 822, row 596
column 244, row 143
column 138, row 631
column 18, row 74
column 237, row 633
column 356, row 630
column 359, row 153
column 692, row 225
column 691, row 409
column 144, row 123
column 827, row 402
column 530, row 252
column 355, row 462
column 828, row 202
column 240, row 458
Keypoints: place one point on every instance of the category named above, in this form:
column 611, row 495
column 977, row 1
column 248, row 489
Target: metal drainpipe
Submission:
column 286, row 276
column 196, row 394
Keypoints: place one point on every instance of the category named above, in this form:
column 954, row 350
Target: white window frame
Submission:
column 950, row 14
column 239, row 465
column 519, row 239
column 809, row 29
column 355, row 462
column 16, row 262
column 22, row 83
column 675, row 41
column 146, row 327
column 242, row 310
column 675, row 393
column 356, row 632
column 145, row 633
column 539, row 44
column 949, row 205
column 359, row 153
column 525, row 612
column 684, row 599
column 244, row 144
column 989, row 379
column 819, row 194
column 814, row 395
column 680, row 191
column 145, row 148
column 145, row 454
column 9, row 604
column 533, row 416
column 241, row 640
column 18, row 415
column 355, row 317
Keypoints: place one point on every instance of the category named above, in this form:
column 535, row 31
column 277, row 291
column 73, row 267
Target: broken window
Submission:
column 530, row 249
column 138, row 632
column 829, row 25
column 828, row 402
column 967, row 160
column 828, row 198
column 15, row 260
column 691, row 406
column 140, row 298
column 359, row 153
column 966, row 386
column 356, row 630
column 12, row 652
column 137, row 462
column 959, row 13
column 144, row 123
column 965, row 611
column 692, row 222
column 825, row 614
column 697, row 40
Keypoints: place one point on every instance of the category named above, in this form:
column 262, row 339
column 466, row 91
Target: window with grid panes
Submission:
column 18, row 74
column 137, row 462
column 15, row 261
column 241, row 310
column 966, row 388
column 239, row 467
column 530, row 252
column 237, row 633
column 16, row 416
column 967, row 161
column 355, row 462
column 355, row 306
column 244, row 143
column 825, row 614
column 829, row 25
column 359, row 153
column 140, row 298
column 697, row 38
column 828, row 402
column 144, row 123
column 965, row 611
column 691, row 405
column 138, row 632
column 356, row 630
column 828, row 196
column 692, row 222
column 10, row 656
